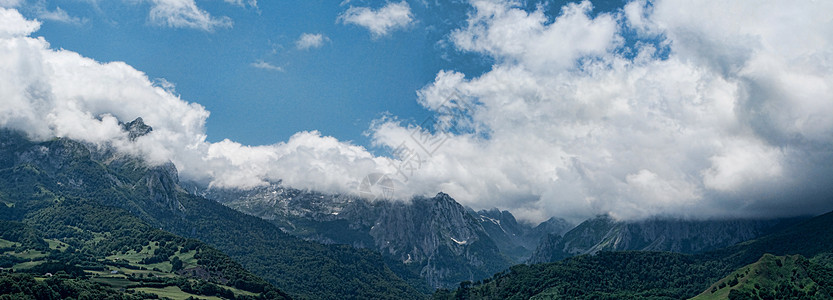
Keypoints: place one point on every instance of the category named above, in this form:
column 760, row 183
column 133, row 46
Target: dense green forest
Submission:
column 76, row 247
column 61, row 286
column 84, row 188
column 658, row 275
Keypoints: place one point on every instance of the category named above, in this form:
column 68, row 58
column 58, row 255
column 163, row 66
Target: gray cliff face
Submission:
column 161, row 183
column 415, row 230
column 438, row 235
column 685, row 236
column 278, row 203
column 74, row 165
column 136, row 128
column 436, row 238
column 553, row 226
column 514, row 239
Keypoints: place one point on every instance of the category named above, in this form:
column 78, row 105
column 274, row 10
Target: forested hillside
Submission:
column 776, row 277
column 53, row 181
column 80, row 247
column 656, row 275
column 432, row 241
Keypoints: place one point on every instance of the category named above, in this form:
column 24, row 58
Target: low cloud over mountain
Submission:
column 676, row 108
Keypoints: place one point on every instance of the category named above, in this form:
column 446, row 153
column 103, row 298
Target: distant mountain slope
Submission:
column 807, row 238
column 514, row 239
column 65, row 169
column 435, row 238
column 684, row 236
column 641, row 274
column 774, row 277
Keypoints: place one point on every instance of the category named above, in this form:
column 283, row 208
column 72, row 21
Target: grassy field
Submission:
column 28, row 254
column 56, row 244
column 188, row 259
column 97, row 272
column 134, row 257
column 173, row 293
column 27, row 265
column 33, row 255
column 126, row 272
column 7, row 244
column 118, row 282
column 238, row 291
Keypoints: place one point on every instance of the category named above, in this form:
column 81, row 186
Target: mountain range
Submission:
column 603, row 233
column 446, row 243
column 434, row 237
column 37, row 177
column 81, row 211
column 667, row 275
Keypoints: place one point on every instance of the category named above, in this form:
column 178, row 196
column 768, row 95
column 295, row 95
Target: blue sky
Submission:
column 337, row 89
column 631, row 108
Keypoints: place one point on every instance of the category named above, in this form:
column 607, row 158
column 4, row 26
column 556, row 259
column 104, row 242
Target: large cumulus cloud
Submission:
column 46, row 93
column 664, row 107
column 714, row 109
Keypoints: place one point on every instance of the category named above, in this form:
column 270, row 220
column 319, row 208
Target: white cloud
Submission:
column 530, row 39
column 266, row 66
column 13, row 24
column 242, row 3
column 59, row 15
column 380, row 22
column 311, row 40
column 741, row 163
column 10, row 3
column 46, row 92
column 184, row 14
column 733, row 120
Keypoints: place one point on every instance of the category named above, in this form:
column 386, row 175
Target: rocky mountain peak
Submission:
column 554, row 226
column 516, row 239
column 443, row 197
column 136, row 128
